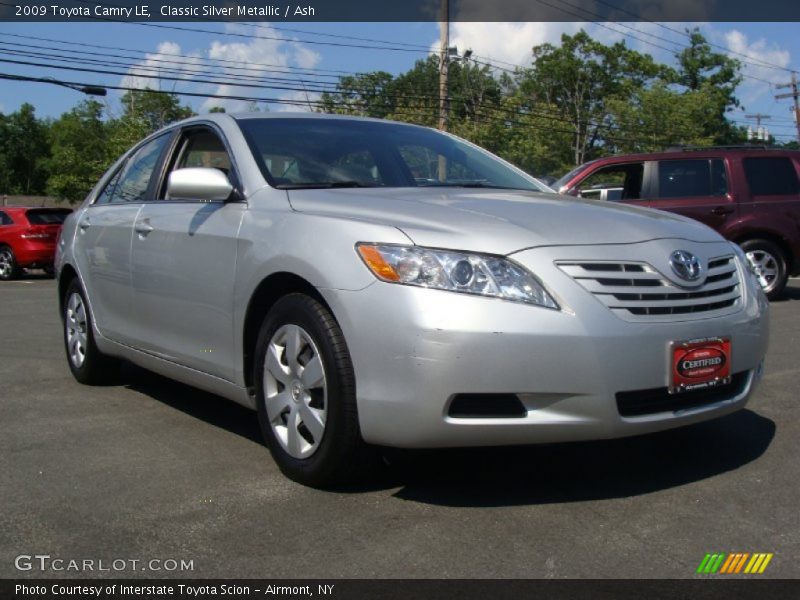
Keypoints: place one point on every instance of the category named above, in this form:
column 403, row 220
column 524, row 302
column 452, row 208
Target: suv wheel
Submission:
column 8, row 264
column 87, row 363
column 769, row 264
column 305, row 390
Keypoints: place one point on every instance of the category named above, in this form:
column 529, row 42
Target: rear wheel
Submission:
column 8, row 264
column 305, row 389
column 87, row 364
column 769, row 264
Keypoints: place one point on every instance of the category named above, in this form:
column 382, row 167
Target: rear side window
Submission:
column 47, row 217
column 771, row 176
column 691, row 178
column 130, row 184
column 5, row 219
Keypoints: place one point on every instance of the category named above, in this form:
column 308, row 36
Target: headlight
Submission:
column 479, row 274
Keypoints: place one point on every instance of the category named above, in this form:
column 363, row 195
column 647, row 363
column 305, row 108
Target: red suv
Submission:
column 750, row 195
column 28, row 238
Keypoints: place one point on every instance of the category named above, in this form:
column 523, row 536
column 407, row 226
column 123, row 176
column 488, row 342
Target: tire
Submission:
column 8, row 264
column 50, row 271
column 87, row 364
column 306, row 395
column 769, row 263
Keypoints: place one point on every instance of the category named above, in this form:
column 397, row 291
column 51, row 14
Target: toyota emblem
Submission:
column 685, row 265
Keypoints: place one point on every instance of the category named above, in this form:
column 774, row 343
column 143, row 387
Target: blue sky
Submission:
column 769, row 49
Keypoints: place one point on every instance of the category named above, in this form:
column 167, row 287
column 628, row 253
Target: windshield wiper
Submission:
column 320, row 185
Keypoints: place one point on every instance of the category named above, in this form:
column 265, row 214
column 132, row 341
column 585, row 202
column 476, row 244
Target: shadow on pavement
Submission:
column 508, row 476
column 790, row 292
column 209, row 408
column 583, row 471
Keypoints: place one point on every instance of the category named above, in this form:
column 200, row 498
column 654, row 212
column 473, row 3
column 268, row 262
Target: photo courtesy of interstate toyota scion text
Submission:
column 362, row 283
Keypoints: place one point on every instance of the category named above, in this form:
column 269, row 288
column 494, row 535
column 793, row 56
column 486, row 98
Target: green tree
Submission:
column 577, row 79
column 657, row 117
column 700, row 68
column 365, row 94
column 153, row 109
column 25, row 151
column 78, row 142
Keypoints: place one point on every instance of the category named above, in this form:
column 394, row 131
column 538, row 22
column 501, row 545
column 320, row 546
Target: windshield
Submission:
column 559, row 183
column 296, row 153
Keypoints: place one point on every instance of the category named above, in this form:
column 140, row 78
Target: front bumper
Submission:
column 413, row 349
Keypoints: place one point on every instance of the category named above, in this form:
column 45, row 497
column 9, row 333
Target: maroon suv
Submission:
column 750, row 195
column 28, row 238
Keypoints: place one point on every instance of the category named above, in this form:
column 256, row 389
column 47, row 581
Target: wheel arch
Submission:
column 266, row 294
column 65, row 277
column 775, row 238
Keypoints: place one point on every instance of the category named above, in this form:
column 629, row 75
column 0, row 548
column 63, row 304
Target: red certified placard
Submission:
column 699, row 364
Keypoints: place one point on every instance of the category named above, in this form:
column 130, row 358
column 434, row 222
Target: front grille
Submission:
column 637, row 291
column 658, row 400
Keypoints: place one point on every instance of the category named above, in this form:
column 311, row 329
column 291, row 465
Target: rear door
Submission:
column 184, row 264
column 774, row 193
column 103, row 241
column 696, row 188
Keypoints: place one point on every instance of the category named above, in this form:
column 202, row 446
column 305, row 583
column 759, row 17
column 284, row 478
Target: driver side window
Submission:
column 199, row 148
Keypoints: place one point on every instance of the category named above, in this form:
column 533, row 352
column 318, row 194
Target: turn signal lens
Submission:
column 377, row 264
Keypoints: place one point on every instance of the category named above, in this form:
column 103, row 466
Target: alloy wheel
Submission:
column 295, row 391
column 765, row 267
column 77, row 336
column 6, row 263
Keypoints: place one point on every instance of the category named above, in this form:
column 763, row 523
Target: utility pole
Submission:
column 444, row 51
column 760, row 134
column 444, row 58
column 796, row 96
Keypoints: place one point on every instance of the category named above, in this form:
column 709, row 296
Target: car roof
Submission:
column 710, row 152
column 248, row 116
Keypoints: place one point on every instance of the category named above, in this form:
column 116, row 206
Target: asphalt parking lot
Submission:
column 150, row 469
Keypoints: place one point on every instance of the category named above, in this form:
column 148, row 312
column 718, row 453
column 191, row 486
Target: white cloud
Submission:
column 248, row 60
column 506, row 42
column 166, row 61
column 759, row 58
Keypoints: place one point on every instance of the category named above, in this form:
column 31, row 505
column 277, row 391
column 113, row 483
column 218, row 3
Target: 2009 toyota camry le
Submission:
column 361, row 283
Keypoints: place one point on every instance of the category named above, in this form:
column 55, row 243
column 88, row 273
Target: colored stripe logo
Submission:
column 735, row 563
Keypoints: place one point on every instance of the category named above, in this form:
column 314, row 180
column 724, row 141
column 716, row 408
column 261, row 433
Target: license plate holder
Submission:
column 699, row 364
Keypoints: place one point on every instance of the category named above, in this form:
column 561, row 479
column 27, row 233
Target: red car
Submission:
column 28, row 238
column 750, row 195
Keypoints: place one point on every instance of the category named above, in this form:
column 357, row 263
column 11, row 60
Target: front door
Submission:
column 184, row 266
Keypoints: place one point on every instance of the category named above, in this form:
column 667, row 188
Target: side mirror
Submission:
column 199, row 184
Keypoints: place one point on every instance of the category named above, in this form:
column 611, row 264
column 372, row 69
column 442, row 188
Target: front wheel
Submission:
column 305, row 389
column 769, row 265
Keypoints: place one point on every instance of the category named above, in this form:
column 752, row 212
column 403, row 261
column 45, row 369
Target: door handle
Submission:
column 143, row 227
column 721, row 211
column 84, row 223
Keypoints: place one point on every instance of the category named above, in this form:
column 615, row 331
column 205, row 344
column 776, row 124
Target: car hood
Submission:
column 498, row 221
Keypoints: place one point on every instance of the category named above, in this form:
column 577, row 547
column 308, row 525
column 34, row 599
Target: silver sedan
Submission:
column 362, row 283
